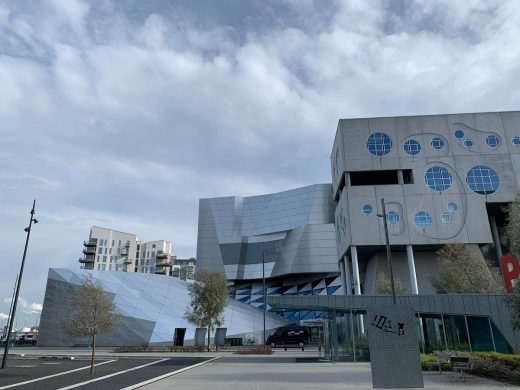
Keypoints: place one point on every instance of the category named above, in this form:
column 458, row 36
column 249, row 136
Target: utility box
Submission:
column 200, row 337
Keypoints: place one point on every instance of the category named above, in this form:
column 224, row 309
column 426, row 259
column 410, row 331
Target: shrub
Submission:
column 258, row 350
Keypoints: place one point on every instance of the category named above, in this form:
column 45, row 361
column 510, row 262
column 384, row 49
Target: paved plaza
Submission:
column 55, row 369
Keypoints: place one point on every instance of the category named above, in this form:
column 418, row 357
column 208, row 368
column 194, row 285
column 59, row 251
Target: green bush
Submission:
column 429, row 362
column 132, row 349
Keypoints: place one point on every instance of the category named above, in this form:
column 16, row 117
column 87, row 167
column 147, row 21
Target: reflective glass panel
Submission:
column 482, row 179
column 438, row 178
column 379, row 144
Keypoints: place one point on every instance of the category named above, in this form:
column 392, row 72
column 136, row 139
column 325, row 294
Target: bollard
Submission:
column 285, row 348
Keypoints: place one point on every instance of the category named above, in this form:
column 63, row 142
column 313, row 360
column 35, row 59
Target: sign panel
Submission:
column 394, row 347
column 510, row 271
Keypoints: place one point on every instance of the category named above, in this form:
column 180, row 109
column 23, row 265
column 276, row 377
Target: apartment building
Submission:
column 112, row 250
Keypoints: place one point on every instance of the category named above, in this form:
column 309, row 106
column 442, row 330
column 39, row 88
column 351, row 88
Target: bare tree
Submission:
column 92, row 313
column 462, row 271
column 384, row 286
column 208, row 299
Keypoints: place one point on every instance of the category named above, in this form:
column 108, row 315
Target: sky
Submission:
column 122, row 114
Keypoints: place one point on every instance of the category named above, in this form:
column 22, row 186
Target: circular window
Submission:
column 412, row 147
column 452, row 207
column 422, row 220
column 437, row 143
column 392, row 217
column 445, row 218
column 493, row 140
column 468, row 143
column 516, row 141
column 379, row 144
column 459, row 134
column 367, row 209
column 482, row 179
column 438, row 178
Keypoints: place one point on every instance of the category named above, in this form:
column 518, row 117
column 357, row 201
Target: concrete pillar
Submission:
column 400, row 178
column 348, row 285
column 411, row 269
column 341, row 265
column 496, row 238
column 355, row 270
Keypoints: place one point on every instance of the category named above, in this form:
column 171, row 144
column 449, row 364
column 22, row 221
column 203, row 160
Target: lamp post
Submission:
column 15, row 302
column 388, row 252
column 264, row 291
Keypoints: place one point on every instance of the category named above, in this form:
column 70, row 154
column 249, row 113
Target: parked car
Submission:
column 287, row 335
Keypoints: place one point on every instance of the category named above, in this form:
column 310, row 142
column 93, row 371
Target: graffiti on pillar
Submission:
column 510, row 268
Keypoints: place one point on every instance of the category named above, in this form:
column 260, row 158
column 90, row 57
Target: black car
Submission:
column 287, row 335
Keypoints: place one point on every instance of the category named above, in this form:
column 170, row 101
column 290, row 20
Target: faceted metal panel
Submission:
column 292, row 231
column 151, row 307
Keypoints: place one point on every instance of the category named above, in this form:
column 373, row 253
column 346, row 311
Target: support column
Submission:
column 411, row 269
column 341, row 265
column 348, row 285
column 496, row 238
column 355, row 270
column 400, row 178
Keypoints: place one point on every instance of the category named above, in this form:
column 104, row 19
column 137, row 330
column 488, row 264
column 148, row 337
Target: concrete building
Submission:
column 183, row 268
column 444, row 179
column 111, row 250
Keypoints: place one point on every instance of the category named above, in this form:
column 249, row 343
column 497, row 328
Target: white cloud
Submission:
column 25, row 305
column 123, row 114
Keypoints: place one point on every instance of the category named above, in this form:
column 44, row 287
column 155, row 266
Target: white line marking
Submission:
column 53, row 375
column 111, row 375
column 158, row 378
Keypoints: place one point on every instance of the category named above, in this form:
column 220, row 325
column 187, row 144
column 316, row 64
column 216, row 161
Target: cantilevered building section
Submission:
column 444, row 179
column 288, row 236
column 111, row 250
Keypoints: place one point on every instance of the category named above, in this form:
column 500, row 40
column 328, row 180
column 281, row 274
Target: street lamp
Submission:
column 388, row 252
column 264, row 291
column 15, row 302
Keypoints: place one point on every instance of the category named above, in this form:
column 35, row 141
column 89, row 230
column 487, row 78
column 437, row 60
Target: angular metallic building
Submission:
column 151, row 307
column 288, row 236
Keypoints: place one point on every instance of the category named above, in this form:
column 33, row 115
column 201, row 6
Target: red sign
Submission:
column 510, row 268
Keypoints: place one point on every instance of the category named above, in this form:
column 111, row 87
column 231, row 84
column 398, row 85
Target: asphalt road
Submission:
column 109, row 374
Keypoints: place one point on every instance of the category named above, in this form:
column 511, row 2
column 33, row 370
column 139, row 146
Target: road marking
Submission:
column 158, row 378
column 54, row 375
column 111, row 375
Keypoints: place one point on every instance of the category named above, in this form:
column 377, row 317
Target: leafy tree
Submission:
column 208, row 298
column 512, row 234
column 462, row 271
column 385, row 287
column 92, row 313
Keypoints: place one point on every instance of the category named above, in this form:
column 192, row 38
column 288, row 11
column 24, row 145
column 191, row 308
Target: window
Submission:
column 493, row 140
column 412, row 147
column 468, row 143
column 438, row 178
column 367, row 209
column 113, row 242
column 379, row 144
column 437, row 143
column 392, row 217
column 110, row 251
column 516, row 141
column 459, row 134
column 100, row 251
column 119, row 243
column 99, row 267
column 482, row 179
column 106, row 250
column 103, row 267
column 452, row 207
column 153, row 245
column 104, row 259
column 422, row 220
column 445, row 218
column 153, row 253
column 376, row 178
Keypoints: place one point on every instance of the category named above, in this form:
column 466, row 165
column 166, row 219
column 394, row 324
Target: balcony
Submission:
column 125, row 252
column 127, row 261
column 162, row 255
column 89, row 250
column 163, row 263
column 161, row 272
column 86, row 260
column 90, row 243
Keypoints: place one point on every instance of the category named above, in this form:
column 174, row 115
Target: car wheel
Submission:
column 300, row 345
column 273, row 345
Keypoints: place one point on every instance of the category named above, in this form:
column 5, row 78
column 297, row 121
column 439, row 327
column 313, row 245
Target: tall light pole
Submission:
column 265, row 295
column 388, row 252
column 15, row 302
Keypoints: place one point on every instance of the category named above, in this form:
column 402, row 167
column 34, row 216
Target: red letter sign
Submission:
column 510, row 270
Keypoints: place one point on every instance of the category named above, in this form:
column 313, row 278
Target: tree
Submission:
column 208, row 298
column 463, row 271
column 92, row 313
column 512, row 234
column 385, row 287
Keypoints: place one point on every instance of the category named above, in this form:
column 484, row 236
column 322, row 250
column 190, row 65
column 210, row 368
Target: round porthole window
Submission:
column 483, row 180
column 445, row 218
column 392, row 217
column 422, row 220
column 452, row 207
column 412, row 147
column 493, row 140
column 459, row 134
column 379, row 144
column 438, row 178
column 437, row 143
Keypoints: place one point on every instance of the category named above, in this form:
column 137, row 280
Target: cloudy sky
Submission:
column 123, row 114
